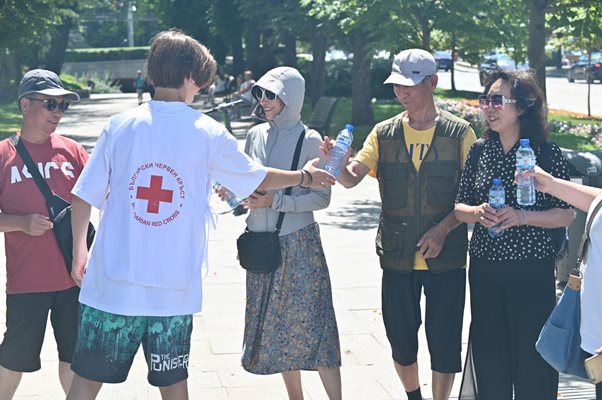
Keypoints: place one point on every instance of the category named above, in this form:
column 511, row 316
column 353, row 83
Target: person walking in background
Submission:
column 150, row 174
column 218, row 87
column 417, row 157
column 517, row 268
column 37, row 281
column 289, row 322
column 585, row 198
column 139, row 83
column 244, row 91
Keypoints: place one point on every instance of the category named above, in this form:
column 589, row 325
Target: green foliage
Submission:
column 103, row 23
column 339, row 80
column 107, row 54
column 11, row 119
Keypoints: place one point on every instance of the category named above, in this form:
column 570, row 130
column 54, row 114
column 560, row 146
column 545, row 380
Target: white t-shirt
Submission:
column 591, row 289
column 150, row 175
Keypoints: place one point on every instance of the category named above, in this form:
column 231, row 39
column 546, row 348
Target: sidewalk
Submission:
column 348, row 229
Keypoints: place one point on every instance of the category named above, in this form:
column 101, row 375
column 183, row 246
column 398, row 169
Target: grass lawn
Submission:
column 10, row 119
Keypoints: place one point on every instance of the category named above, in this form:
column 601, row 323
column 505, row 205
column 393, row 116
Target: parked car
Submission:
column 589, row 72
column 444, row 60
column 495, row 62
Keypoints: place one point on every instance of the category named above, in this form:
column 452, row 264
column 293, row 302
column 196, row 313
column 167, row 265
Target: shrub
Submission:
column 106, row 54
column 473, row 115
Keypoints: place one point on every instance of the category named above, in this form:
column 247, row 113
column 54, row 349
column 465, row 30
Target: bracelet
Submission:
column 302, row 178
column 524, row 217
column 310, row 181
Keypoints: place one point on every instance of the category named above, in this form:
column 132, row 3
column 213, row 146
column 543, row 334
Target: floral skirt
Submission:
column 290, row 323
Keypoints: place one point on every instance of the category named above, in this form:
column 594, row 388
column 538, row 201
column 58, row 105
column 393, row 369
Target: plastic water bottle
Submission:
column 525, row 185
column 231, row 198
column 497, row 200
column 338, row 152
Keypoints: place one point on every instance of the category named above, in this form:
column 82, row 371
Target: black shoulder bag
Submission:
column 59, row 209
column 259, row 252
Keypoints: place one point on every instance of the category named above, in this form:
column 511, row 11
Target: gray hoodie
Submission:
column 273, row 144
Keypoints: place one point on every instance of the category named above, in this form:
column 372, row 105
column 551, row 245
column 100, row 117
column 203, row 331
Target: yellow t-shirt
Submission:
column 418, row 143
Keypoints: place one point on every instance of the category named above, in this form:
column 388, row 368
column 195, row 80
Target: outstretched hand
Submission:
column 543, row 180
column 221, row 192
column 320, row 178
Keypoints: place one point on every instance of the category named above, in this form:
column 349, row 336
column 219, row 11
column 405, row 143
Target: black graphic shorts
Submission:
column 107, row 343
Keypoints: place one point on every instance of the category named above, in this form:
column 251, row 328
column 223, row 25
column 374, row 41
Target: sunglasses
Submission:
column 51, row 105
column 495, row 101
column 260, row 93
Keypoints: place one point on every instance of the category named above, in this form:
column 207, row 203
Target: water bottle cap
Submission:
column 524, row 142
column 497, row 181
column 349, row 128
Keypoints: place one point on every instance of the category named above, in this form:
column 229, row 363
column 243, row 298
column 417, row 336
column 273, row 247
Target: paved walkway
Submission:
column 348, row 228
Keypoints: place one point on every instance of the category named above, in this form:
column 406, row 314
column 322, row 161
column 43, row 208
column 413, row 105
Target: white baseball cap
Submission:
column 411, row 66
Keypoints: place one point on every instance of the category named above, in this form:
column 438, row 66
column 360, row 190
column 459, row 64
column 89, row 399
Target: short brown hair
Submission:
column 175, row 56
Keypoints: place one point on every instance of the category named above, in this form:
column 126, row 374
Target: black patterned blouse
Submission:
column 518, row 242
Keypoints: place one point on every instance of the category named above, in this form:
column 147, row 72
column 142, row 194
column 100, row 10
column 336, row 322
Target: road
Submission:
column 562, row 95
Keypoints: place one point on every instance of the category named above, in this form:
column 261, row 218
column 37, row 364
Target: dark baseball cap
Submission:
column 44, row 82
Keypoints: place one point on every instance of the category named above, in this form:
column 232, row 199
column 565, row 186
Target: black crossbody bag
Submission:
column 259, row 252
column 59, row 209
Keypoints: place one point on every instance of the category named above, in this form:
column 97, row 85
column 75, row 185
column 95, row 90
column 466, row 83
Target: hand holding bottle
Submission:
column 319, row 177
column 338, row 155
column 544, row 182
column 259, row 199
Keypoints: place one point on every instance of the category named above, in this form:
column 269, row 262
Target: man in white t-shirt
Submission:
column 150, row 175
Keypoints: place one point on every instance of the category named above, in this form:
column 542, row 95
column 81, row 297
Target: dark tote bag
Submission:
column 259, row 252
column 59, row 209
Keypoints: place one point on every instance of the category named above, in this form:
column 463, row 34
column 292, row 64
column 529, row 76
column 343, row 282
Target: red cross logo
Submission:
column 154, row 194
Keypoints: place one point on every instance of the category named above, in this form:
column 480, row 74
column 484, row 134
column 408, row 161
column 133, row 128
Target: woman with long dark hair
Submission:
column 512, row 283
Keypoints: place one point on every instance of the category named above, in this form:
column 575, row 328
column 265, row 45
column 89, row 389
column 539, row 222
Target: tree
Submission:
column 582, row 20
column 20, row 51
column 363, row 22
column 60, row 36
column 537, row 39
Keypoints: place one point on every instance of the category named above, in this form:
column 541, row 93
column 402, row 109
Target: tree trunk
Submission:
column 318, row 65
column 537, row 41
column 58, row 45
column 426, row 34
column 290, row 50
column 10, row 75
column 268, row 53
column 361, row 109
column 238, row 56
column 453, row 63
column 253, row 49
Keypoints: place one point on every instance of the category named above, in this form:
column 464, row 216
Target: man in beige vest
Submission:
column 418, row 157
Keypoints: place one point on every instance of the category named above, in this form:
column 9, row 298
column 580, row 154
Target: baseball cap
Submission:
column 44, row 82
column 411, row 66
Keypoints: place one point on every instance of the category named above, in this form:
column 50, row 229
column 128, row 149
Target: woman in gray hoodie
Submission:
column 289, row 323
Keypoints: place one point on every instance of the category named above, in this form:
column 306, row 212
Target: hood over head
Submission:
column 289, row 86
